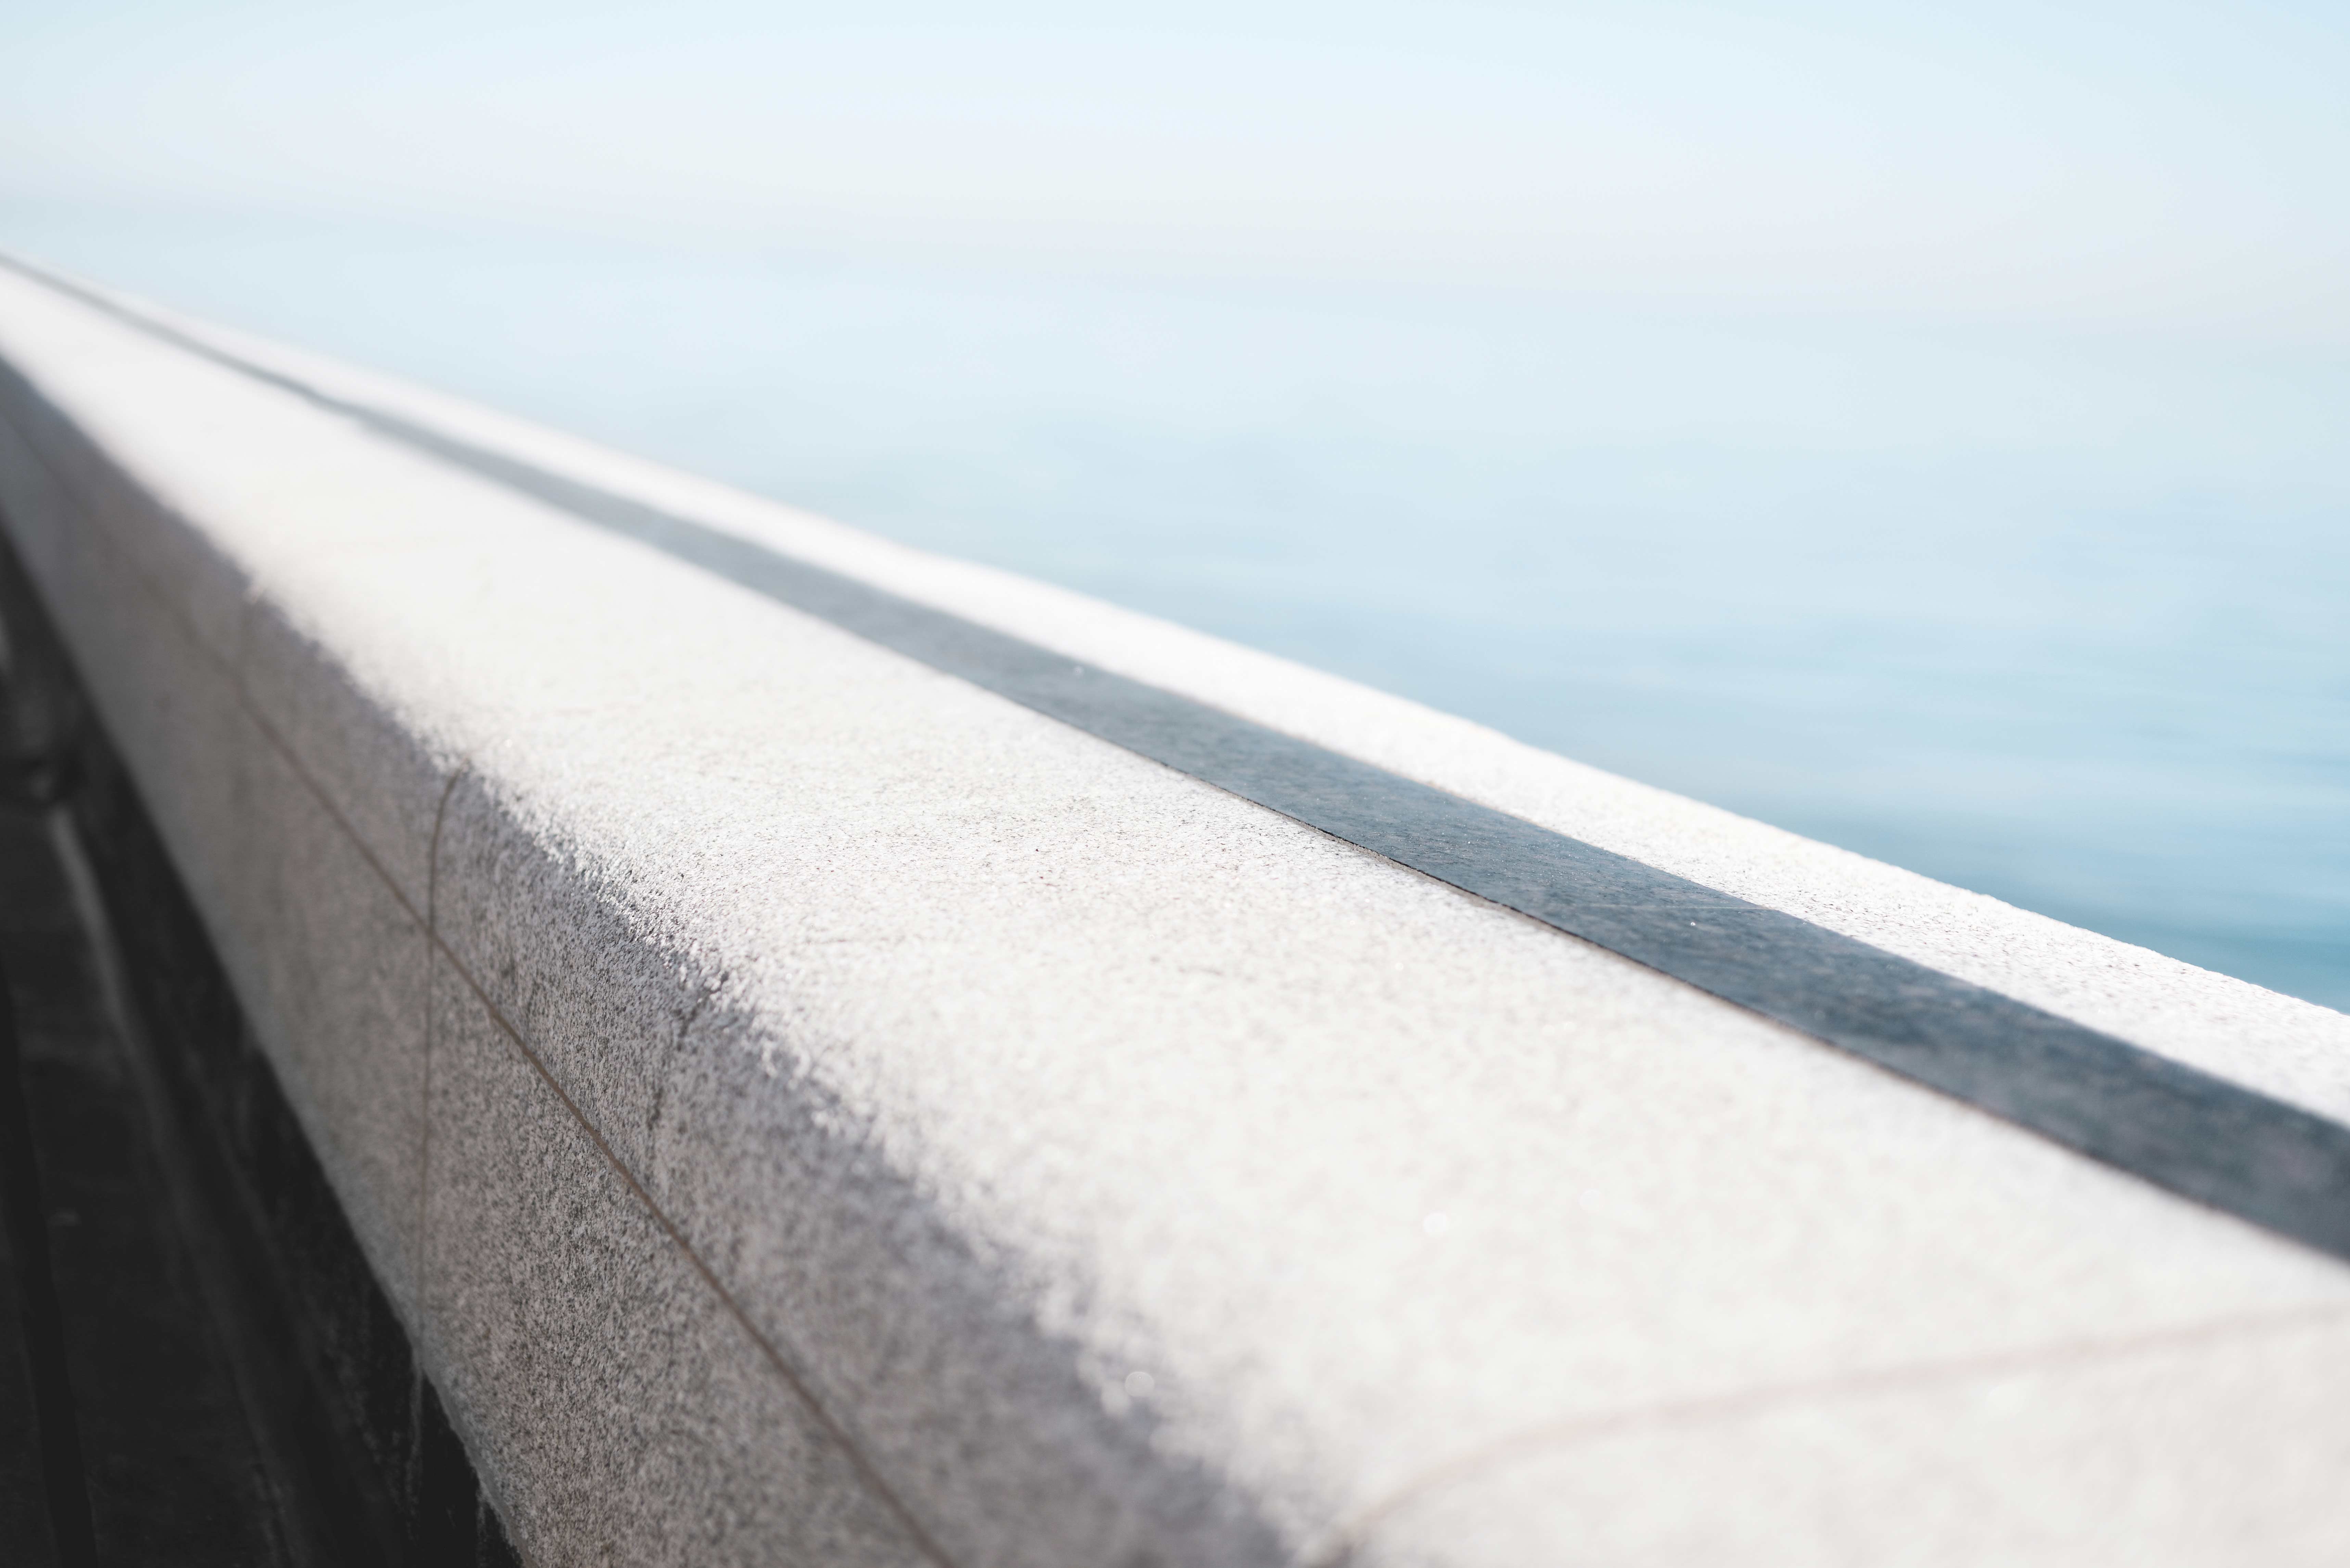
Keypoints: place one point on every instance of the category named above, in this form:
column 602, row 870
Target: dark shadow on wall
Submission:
column 197, row 1364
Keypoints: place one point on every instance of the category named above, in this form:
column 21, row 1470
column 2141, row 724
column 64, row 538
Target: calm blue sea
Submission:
column 2060, row 616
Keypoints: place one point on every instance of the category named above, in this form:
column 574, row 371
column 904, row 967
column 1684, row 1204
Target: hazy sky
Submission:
column 2136, row 161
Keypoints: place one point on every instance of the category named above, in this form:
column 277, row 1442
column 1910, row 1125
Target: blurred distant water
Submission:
column 2061, row 618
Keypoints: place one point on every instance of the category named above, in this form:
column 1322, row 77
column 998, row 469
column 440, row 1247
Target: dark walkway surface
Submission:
column 196, row 1366
column 152, row 1452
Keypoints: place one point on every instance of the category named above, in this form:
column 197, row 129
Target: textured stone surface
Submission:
column 344, row 966
column 954, row 1128
column 2158, row 1453
column 623, row 1413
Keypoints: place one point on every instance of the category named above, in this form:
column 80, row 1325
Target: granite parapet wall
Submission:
column 217, row 1375
column 806, row 1107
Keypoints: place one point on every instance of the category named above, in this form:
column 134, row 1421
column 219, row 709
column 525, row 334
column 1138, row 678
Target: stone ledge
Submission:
column 808, row 1107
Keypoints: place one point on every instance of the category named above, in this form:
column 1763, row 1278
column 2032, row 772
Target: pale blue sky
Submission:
column 2145, row 163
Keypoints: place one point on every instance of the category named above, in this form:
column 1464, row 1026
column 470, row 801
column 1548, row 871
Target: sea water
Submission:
column 2056, row 613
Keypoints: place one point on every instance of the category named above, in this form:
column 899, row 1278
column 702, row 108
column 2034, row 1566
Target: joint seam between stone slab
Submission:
column 832, row 1425
column 1341, row 1540
column 424, row 1092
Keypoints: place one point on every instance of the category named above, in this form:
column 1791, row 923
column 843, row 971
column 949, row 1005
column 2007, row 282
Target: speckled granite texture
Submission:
column 810, row 1110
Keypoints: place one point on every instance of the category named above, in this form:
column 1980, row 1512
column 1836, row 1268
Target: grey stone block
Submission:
column 381, row 777
column 335, row 981
column 622, row 1413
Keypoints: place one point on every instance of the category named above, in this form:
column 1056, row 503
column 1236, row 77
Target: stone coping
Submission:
column 807, row 1107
